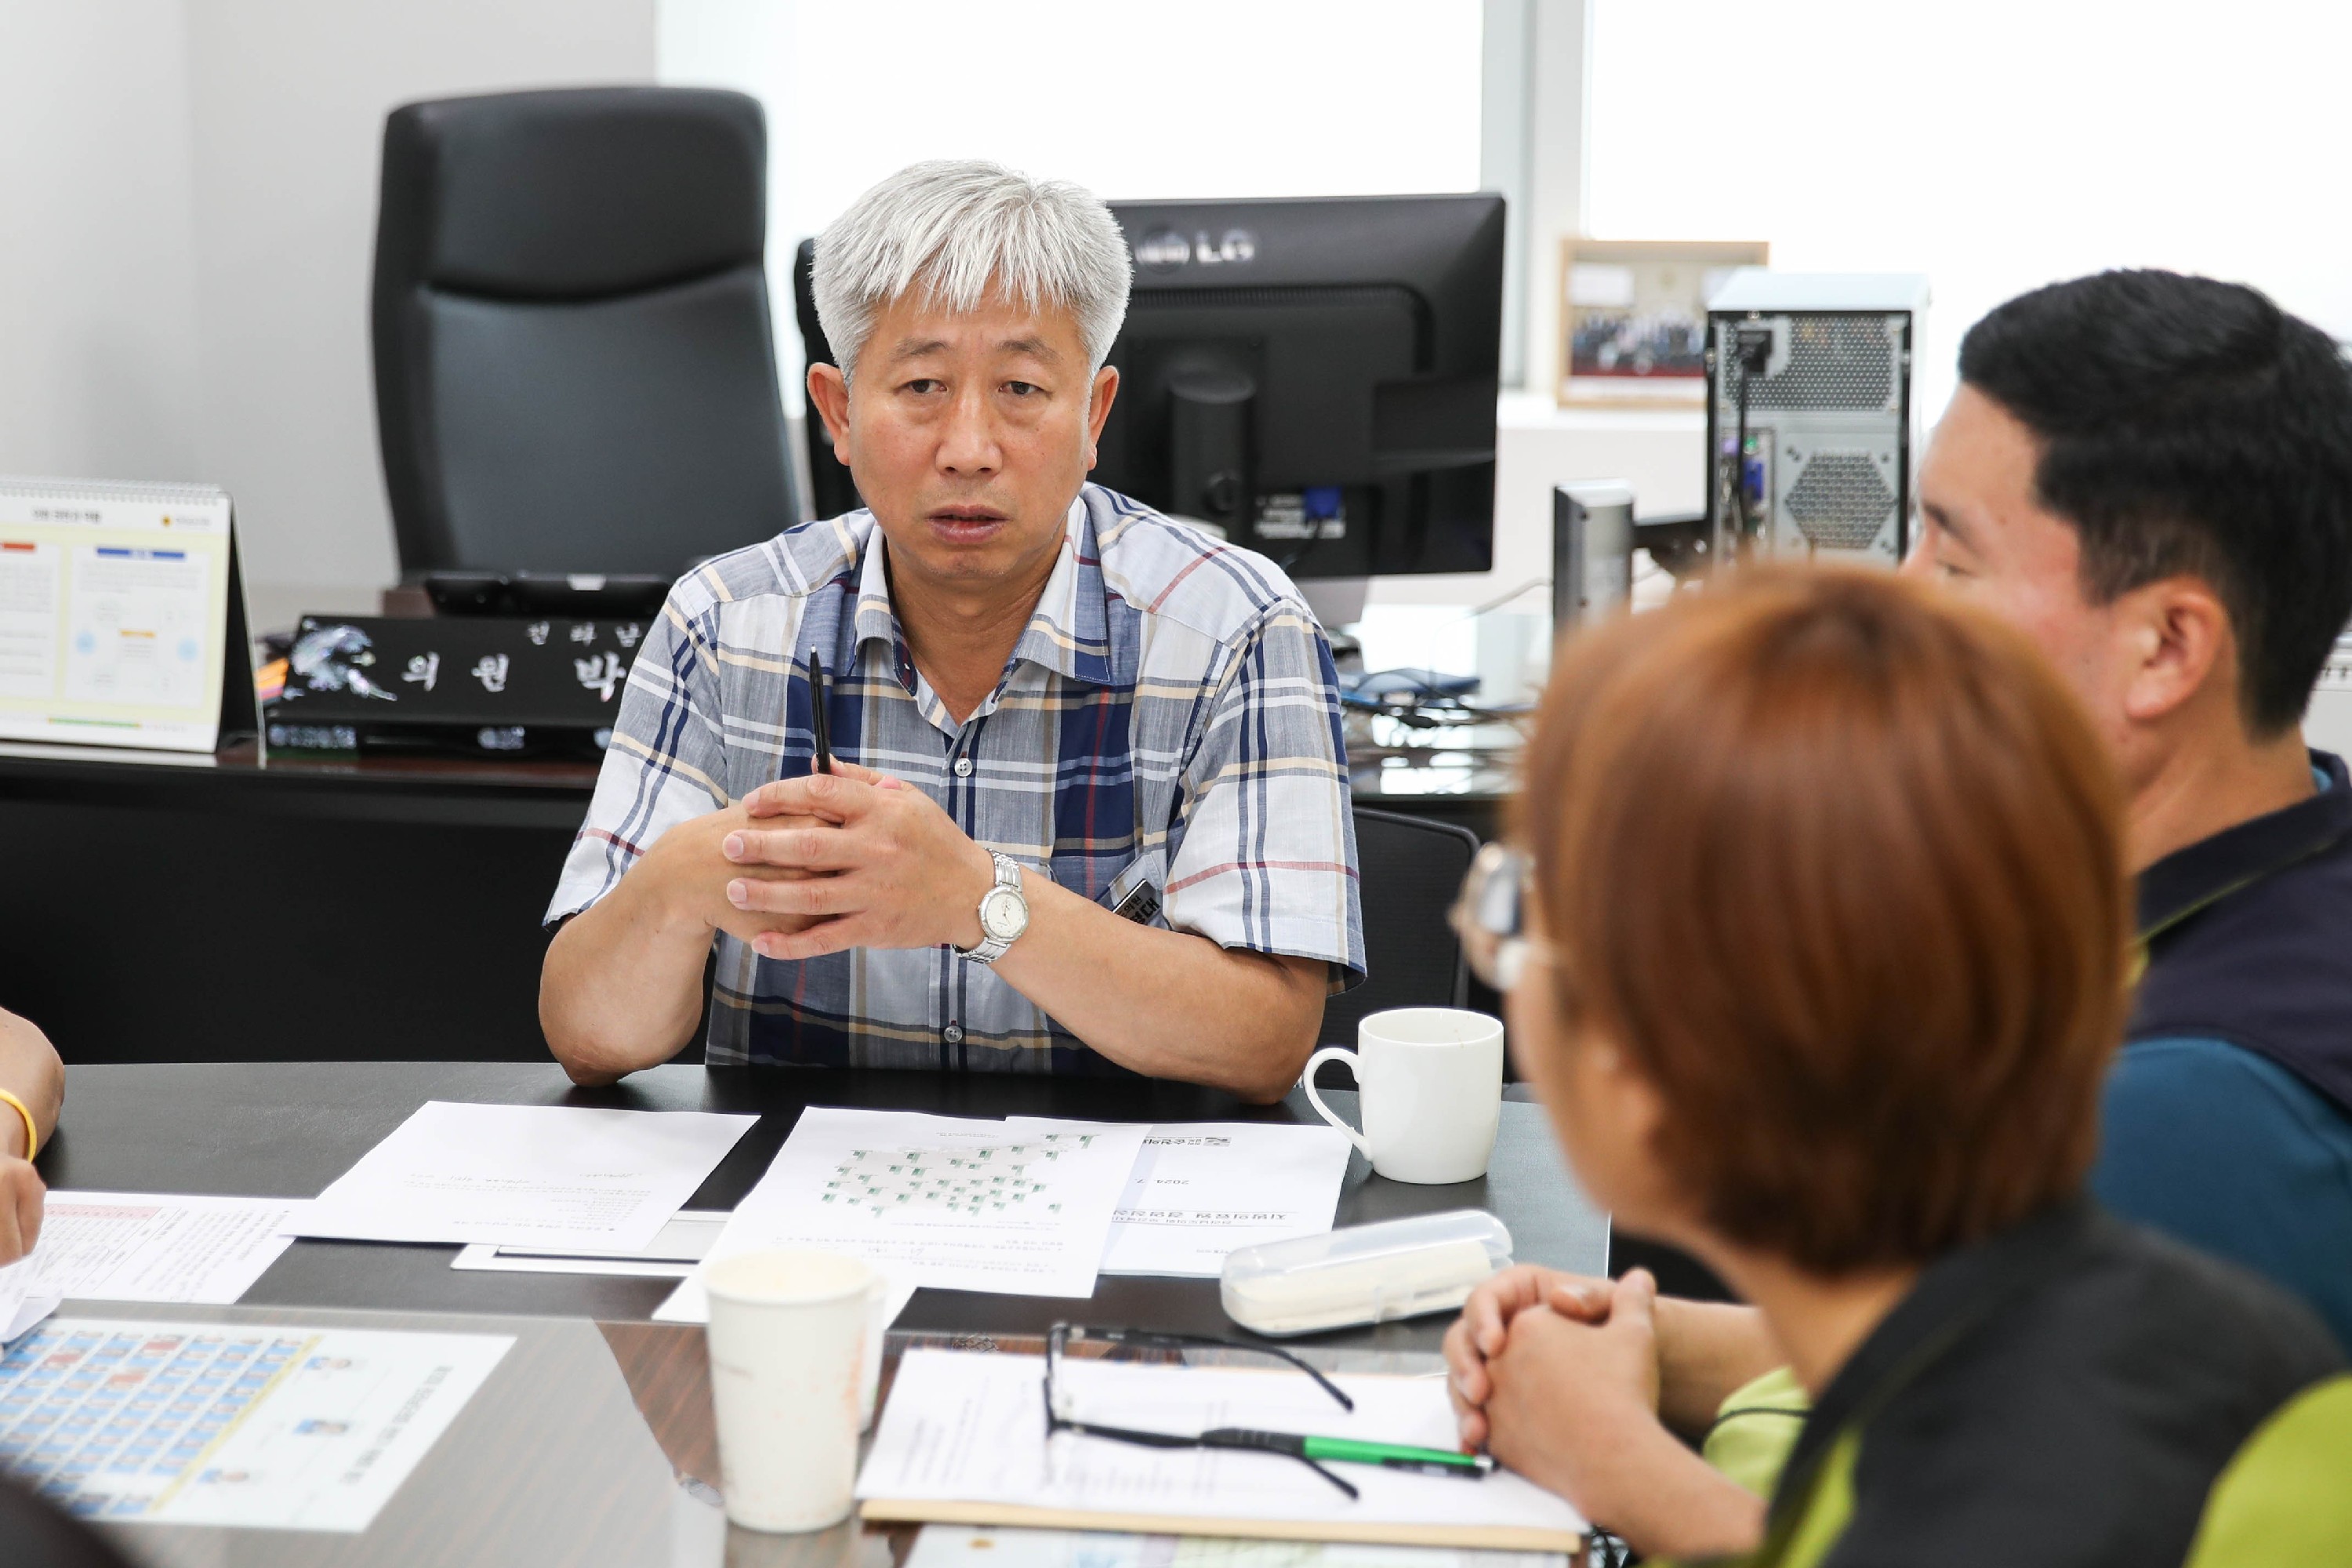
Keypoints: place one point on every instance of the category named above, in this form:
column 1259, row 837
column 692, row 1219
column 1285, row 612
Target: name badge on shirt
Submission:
column 1134, row 895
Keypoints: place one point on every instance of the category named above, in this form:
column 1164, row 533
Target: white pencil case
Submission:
column 1365, row 1274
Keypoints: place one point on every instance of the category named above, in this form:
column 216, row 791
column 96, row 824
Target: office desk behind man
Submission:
column 224, row 909
column 176, row 909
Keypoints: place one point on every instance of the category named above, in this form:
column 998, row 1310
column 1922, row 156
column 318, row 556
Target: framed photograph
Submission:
column 1633, row 316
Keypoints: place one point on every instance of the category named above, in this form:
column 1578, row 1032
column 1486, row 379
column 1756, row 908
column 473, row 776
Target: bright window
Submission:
column 1993, row 146
column 1213, row 98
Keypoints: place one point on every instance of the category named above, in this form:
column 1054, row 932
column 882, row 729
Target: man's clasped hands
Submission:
column 826, row 862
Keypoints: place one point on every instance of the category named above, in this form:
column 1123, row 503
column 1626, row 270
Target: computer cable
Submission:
column 1751, row 355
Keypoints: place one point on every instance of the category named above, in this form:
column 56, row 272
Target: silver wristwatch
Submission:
column 1004, row 913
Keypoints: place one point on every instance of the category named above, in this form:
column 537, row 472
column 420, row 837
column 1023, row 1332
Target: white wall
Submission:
column 187, row 222
column 1994, row 146
column 287, row 102
column 98, row 339
column 1558, row 121
column 1662, row 453
column 1214, row 98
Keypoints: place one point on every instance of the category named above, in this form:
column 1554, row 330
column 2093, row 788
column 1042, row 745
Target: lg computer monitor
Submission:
column 1314, row 378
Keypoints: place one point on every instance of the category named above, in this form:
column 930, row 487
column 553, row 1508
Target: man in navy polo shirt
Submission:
column 2152, row 475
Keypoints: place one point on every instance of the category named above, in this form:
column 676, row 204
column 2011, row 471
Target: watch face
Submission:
column 1004, row 914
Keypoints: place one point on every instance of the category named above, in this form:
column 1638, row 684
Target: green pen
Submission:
column 1354, row 1451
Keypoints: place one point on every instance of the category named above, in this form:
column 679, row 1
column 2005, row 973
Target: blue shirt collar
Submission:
column 2195, row 875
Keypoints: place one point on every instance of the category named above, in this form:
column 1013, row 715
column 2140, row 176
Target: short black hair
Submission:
column 2190, row 426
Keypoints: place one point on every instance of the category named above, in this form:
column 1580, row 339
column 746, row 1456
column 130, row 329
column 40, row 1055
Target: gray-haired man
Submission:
column 1093, row 806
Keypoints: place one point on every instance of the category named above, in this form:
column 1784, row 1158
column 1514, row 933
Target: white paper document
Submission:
column 1201, row 1189
column 19, row 1311
column 684, row 1242
column 943, row 1201
column 689, row 1304
column 29, row 574
column 969, row 1428
column 269, row 1428
column 993, row 1546
column 561, row 1177
column 154, row 1246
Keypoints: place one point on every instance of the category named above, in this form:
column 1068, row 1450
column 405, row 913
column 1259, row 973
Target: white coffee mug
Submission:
column 788, row 1337
column 1430, row 1082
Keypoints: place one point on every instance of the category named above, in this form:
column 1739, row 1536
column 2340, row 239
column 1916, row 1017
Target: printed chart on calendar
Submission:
column 135, row 625
column 113, row 612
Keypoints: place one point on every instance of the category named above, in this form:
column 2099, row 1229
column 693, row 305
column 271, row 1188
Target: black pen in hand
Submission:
column 818, row 725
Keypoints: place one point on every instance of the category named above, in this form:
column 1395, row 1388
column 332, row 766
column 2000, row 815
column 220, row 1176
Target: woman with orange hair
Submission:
column 1816, row 947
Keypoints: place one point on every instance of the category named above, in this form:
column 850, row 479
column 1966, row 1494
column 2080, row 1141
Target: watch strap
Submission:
column 992, row 948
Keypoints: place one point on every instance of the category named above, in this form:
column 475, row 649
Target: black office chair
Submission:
column 832, row 490
column 574, row 365
column 1410, row 869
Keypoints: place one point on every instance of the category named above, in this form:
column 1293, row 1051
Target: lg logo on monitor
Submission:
column 1165, row 250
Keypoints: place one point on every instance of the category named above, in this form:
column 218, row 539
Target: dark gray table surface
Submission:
column 288, row 1129
column 590, row 1446
column 549, row 1464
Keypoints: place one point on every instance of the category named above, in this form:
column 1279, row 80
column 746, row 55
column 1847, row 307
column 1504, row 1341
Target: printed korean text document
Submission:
column 962, row 1439
column 989, row 1546
column 547, row 1176
column 943, row 1201
column 154, row 1246
column 1199, row 1189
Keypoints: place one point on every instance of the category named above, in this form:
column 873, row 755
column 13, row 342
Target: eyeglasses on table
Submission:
column 1310, row 1450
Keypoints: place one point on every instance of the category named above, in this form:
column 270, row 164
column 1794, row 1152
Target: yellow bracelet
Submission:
column 32, row 1137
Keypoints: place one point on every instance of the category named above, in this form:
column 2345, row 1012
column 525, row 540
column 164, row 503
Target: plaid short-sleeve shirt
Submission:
column 1169, row 720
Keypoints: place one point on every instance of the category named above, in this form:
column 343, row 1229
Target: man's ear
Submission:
column 1099, row 402
column 2180, row 643
column 828, row 394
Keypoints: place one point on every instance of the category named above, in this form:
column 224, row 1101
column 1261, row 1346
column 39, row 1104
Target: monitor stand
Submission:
column 1337, row 601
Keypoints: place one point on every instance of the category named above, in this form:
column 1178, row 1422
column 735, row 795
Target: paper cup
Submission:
column 869, row 1376
column 788, row 1335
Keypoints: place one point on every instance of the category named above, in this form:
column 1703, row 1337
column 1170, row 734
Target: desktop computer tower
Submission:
column 1809, row 421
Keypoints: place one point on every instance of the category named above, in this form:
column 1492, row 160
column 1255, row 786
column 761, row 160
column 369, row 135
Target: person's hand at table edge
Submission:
column 30, row 1069
column 35, row 1078
column 1707, row 1350
column 1573, row 1406
column 1484, row 1328
column 622, row 988
column 21, row 1195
